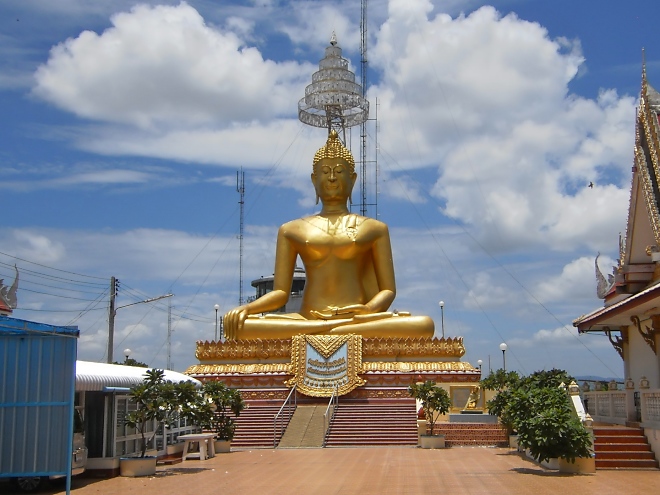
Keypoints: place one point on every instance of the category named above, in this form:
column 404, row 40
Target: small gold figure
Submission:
column 473, row 399
column 348, row 263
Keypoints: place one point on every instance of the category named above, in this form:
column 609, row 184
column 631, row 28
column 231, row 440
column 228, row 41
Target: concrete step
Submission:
column 470, row 434
column 625, row 455
column 626, row 463
column 601, row 439
column 374, row 424
column 620, row 447
column 254, row 426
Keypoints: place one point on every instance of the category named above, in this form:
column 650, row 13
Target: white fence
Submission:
column 619, row 406
column 651, row 408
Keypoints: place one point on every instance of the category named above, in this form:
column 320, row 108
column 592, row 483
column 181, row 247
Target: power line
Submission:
column 51, row 268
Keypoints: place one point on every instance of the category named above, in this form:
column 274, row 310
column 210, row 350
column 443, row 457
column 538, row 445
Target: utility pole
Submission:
column 112, row 312
column 169, row 335
column 114, row 286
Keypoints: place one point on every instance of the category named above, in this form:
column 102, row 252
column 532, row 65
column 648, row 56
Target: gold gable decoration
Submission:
column 238, row 369
column 414, row 367
column 243, row 349
column 323, row 364
column 280, row 349
column 413, row 347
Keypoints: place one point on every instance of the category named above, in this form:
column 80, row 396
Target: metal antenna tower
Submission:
column 363, row 125
column 334, row 100
column 240, row 188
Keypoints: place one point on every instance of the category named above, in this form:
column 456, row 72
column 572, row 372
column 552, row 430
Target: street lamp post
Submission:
column 113, row 313
column 479, row 363
column 503, row 348
column 217, row 307
column 442, row 317
column 127, row 353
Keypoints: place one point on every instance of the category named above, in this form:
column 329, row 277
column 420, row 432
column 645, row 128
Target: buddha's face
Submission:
column 333, row 179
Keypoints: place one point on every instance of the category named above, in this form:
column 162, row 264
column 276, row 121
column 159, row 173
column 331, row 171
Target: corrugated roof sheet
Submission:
column 96, row 376
column 23, row 327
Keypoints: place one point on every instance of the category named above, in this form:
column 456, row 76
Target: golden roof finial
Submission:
column 644, row 81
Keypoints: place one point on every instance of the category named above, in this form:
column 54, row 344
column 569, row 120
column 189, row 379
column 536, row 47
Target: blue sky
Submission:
column 123, row 126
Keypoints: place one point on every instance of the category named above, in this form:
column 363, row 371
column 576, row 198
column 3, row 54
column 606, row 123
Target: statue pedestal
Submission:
column 382, row 368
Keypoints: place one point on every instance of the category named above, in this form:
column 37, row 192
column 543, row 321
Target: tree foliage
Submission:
column 160, row 400
column 223, row 400
column 434, row 399
column 132, row 362
column 539, row 409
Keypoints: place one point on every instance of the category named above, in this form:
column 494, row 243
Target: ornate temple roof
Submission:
column 636, row 280
column 643, row 229
column 653, row 97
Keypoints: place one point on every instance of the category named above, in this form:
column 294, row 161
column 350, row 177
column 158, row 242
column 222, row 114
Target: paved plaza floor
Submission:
column 366, row 471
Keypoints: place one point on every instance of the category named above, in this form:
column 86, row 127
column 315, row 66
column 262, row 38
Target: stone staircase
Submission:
column 473, row 434
column 254, row 426
column 364, row 423
column 305, row 427
column 622, row 447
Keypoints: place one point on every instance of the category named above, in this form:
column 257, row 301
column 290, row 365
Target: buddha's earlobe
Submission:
column 313, row 176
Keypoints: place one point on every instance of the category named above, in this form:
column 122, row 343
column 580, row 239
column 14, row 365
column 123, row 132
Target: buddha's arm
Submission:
column 285, row 259
column 381, row 253
column 384, row 268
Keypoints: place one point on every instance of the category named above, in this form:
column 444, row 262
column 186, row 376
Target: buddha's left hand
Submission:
column 342, row 312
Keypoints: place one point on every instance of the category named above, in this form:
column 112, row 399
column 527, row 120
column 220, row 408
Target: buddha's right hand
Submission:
column 233, row 322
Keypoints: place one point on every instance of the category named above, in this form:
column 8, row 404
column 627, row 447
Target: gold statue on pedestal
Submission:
column 348, row 263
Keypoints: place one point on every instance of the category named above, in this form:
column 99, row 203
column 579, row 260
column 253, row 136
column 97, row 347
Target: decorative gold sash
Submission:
column 322, row 364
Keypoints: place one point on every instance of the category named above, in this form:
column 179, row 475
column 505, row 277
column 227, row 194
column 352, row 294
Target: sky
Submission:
column 123, row 126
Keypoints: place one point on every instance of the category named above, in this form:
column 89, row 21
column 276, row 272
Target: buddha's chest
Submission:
column 322, row 246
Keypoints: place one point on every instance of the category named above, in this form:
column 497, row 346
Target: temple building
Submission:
column 630, row 317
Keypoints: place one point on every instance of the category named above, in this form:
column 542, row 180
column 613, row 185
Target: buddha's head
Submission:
column 334, row 170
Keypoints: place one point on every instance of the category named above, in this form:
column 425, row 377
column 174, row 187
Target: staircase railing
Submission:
column 290, row 404
column 329, row 414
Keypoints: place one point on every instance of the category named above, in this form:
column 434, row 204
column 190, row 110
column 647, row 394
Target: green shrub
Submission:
column 435, row 401
column 539, row 409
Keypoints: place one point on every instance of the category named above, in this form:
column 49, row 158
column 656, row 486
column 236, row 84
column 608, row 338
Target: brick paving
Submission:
column 365, row 471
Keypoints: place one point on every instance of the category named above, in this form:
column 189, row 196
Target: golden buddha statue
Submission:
column 348, row 264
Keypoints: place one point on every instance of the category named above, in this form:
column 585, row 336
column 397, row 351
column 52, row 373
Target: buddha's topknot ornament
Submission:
column 334, row 149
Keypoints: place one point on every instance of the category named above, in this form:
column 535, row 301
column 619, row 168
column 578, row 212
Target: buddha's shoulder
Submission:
column 297, row 225
column 371, row 223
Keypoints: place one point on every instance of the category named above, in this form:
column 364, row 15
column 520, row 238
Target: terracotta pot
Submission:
column 581, row 465
column 513, row 441
column 433, row 441
column 222, row 446
column 137, row 466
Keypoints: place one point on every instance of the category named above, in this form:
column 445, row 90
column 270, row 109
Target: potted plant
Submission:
column 548, row 426
column 223, row 401
column 503, row 383
column 435, row 402
column 156, row 399
column 539, row 409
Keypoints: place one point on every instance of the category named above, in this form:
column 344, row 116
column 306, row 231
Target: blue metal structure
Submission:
column 37, row 391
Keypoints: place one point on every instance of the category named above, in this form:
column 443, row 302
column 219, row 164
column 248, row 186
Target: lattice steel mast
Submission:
column 240, row 188
column 363, row 125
